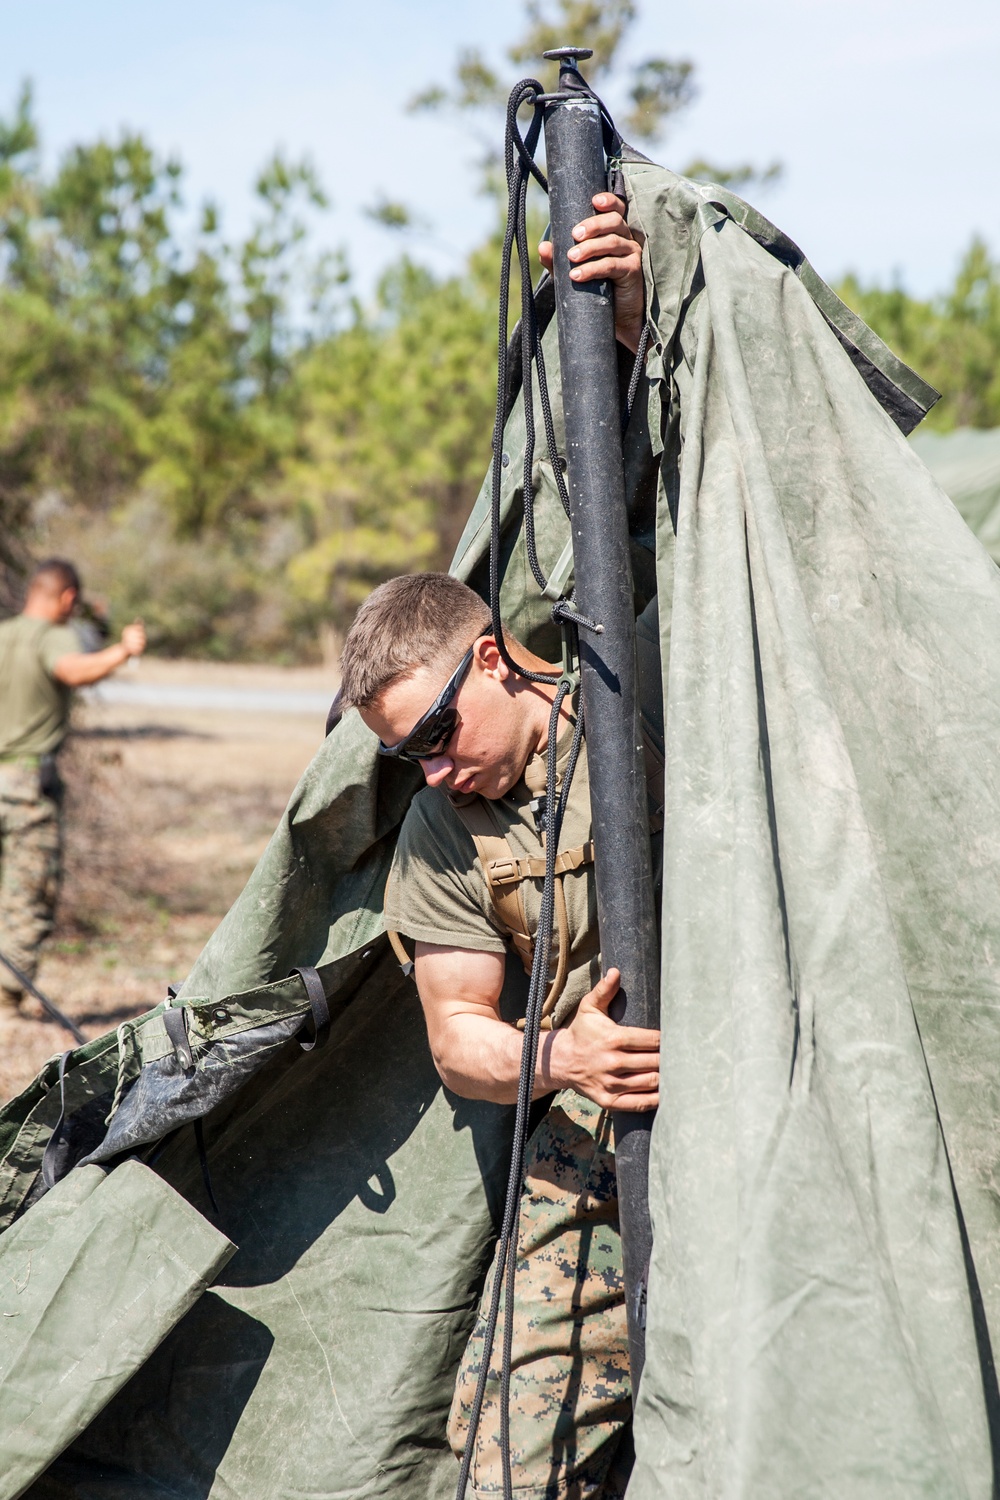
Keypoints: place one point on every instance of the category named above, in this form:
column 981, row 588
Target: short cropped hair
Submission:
column 58, row 574
column 407, row 623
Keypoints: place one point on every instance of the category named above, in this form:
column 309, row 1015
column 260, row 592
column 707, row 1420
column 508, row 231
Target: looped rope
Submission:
column 506, row 1256
column 126, row 1027
column 519, row 162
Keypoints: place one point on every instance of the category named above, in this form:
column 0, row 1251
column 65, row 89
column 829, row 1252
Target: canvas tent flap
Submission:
column 686, row 210
column 316, row 894
column 831, row 1031
column 143, row 1256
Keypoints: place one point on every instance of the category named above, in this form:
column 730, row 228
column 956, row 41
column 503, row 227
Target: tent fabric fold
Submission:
column 826, row 1273
column 811, row 1324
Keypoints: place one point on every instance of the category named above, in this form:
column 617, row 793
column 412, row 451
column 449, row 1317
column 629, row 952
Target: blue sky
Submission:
column 884, row 112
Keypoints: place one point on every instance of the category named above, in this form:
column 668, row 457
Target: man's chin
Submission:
column 496, row 787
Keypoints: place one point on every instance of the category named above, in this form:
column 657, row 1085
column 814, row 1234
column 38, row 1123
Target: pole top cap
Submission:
column 568, row 54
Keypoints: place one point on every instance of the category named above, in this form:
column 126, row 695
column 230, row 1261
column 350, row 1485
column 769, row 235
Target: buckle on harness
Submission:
column 570, row 674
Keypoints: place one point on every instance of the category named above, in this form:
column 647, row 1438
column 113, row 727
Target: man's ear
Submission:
column 489, row 660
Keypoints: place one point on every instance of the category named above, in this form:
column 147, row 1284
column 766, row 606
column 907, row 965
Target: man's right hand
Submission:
column 134, row 638
column 618, row 1067
column 479, row 1056
column 82, row 668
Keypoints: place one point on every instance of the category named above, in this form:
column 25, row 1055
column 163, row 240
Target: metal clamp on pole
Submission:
column 585, row 319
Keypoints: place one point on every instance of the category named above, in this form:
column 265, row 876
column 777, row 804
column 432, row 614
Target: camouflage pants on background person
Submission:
column 30, row 850
column 570, row 1393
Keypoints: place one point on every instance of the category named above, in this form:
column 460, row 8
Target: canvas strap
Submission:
column 319, row 1007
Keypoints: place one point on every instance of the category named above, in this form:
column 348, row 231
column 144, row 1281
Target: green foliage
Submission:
column 397, row 414
column 738, row 178
column 228, row 447
column 109, row 334
column 391, row 214
column 953, row 340
column 659, row 88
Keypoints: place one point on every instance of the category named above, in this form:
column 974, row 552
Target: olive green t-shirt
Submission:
column 437, row 890
column 34, row 706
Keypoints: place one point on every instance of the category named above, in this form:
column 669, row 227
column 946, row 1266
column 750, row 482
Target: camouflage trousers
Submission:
column 570, row 1393
column 30, row 863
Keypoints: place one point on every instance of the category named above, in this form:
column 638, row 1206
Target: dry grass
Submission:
column 166, row 815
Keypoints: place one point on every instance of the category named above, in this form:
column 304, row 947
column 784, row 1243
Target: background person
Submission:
column 40, row 663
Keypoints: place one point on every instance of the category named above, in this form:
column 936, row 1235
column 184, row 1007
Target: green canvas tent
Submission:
column 966, row 464
column 826, row 1276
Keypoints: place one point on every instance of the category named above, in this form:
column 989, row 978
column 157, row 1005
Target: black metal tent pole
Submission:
column 576, row 169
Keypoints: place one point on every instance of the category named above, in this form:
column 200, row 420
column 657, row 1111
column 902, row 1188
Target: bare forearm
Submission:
column 91, row 666
column 480, row 1058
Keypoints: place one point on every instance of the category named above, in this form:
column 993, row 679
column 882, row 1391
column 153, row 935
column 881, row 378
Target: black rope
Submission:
column 49, row 1006
column 525, row 1093
column 520, row 165
column 519, row 161
column 515, row 152
column 633, row 385
column 506, row 1256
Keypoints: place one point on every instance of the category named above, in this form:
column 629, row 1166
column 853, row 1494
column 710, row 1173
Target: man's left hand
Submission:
column 606, row 249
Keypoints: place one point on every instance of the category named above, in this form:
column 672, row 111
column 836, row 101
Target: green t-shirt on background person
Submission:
column 34, row 705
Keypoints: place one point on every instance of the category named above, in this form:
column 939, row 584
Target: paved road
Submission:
column 229, row 700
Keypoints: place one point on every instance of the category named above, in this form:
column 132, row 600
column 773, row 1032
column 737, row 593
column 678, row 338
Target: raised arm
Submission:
column 478, row 1055
column 81, row 668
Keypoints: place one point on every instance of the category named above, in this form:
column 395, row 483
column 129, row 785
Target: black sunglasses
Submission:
column 434, row 729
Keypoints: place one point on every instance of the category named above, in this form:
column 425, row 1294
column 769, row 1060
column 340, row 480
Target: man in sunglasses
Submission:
column 423, row 667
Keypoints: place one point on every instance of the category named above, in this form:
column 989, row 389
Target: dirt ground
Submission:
column 167, row 812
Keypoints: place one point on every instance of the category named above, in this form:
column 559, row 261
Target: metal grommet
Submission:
column 221, row 1015
column 505, row 460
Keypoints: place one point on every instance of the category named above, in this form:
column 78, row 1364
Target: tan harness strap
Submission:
column 395, row 941
column 504, row 873
column 494, row 850
column 508, row 870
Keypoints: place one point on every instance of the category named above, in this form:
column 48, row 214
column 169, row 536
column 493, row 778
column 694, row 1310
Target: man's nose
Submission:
column 437, row 769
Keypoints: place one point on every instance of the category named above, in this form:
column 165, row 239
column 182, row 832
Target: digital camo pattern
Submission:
column 29, row 868
column 570, row 1393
